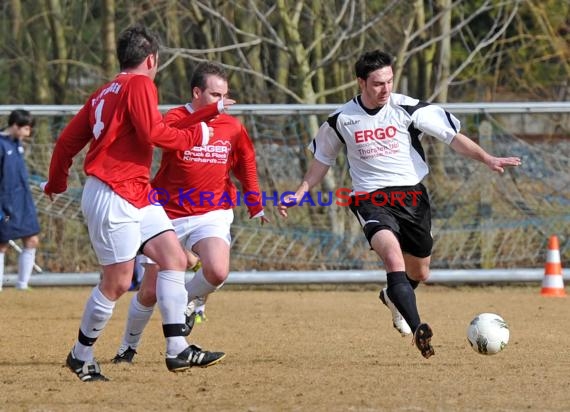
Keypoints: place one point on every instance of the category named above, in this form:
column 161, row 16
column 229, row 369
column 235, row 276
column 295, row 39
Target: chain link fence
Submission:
column 480, row 219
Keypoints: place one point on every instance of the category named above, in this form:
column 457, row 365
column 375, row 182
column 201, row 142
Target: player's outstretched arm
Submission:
column 180, row 118
column 74, row 137
column 468, row 148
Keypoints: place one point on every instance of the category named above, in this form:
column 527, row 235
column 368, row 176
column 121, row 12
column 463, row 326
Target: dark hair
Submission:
column 21, row 118
column 371, row 61
column 203, row 70
column 135, row 43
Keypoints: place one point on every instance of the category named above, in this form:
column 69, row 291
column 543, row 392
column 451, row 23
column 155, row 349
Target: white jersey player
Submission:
column 381, row 133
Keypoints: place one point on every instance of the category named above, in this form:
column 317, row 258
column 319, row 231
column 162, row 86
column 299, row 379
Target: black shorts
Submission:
column 404, row 210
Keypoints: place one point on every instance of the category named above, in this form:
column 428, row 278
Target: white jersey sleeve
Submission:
column 326, row 145
column 435, row 121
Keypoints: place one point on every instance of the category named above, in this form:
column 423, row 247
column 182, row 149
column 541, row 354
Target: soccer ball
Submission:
column 488, row 334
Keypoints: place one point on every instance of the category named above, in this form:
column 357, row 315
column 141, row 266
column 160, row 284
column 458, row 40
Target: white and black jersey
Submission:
column 383, row 148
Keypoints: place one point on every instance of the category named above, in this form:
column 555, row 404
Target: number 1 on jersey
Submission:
column 99, row 125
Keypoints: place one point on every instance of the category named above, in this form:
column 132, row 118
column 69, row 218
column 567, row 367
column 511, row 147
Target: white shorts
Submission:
column 117, row 229
column 192, row 229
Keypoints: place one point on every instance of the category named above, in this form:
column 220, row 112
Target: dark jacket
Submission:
column 17, row 209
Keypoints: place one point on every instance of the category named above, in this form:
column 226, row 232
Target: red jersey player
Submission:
column 201, row 199
column 122, row 123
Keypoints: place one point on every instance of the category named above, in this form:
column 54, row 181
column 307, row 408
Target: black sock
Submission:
column 413, row 282
column 402, row 294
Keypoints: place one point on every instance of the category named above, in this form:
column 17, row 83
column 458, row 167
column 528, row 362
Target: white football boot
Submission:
column 397, row 319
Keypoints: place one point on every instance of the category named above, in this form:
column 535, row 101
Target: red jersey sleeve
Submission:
column 149, row 123
column 182, row 118
column 74, row 137
column 245, row 170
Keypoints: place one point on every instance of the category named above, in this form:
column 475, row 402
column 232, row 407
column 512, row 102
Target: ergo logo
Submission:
column 363, row 136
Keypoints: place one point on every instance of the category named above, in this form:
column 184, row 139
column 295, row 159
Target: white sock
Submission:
column 138, row 318
column 1, row 269
column 98, row 311
column 198, row 286
column 171, row 298
column 25, row 267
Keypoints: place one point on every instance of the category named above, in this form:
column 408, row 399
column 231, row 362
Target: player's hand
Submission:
column 43, row 188
column 288, row 201
column 223, row 106
column 262, row 218
column 227, row 103
column 498, row 164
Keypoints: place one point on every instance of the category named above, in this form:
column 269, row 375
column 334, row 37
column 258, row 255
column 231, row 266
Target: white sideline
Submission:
column 444, row 276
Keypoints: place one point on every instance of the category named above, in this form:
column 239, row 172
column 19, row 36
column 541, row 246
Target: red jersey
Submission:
column 198, row 179
column 122, row 122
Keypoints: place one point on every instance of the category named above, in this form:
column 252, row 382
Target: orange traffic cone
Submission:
column 553, row 284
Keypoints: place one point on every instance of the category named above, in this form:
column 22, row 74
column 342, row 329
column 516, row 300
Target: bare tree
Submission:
column 109, row 61
column 309, row 42
column 13, row 40
column 60, row 49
